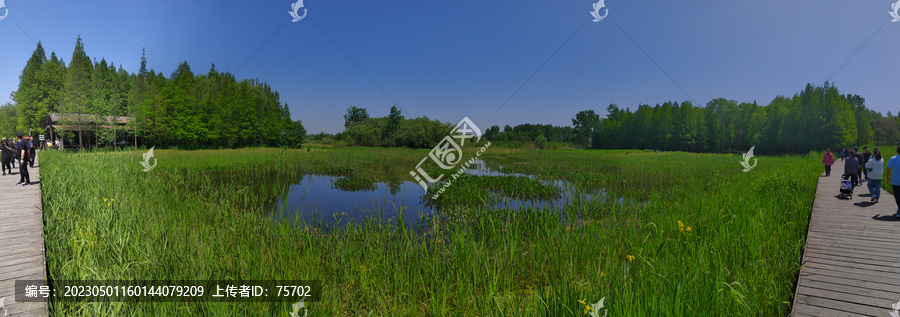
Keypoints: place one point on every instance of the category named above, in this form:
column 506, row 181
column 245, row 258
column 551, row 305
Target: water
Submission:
column 314, row 199
column 315, row 196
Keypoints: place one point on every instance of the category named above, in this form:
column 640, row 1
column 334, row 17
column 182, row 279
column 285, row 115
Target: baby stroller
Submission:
column 846, row 188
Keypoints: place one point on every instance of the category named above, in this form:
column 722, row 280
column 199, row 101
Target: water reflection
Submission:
column 316, row 199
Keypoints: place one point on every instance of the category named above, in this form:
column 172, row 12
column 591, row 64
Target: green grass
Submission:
column 479, row 190
column 354, row 184
column 201, row 215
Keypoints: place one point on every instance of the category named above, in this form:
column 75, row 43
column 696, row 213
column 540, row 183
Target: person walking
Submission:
column 15, row 148
column 32, row 155
column 27, row 148
column 7, row 155
column 859, row 159
column 22, row 155
column 866, row 156
column 828, row 160
column 893, row 167
column 875, row 168
column 851, row 168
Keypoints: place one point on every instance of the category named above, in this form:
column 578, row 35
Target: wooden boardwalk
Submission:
column 852, row 255
column 21, row 240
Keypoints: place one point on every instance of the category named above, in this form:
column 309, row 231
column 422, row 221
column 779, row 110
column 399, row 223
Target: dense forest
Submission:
column 184, row 110
column 811, row 120
column 396, row 131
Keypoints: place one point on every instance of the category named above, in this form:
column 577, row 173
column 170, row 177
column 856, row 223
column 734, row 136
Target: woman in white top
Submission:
column 875, row 166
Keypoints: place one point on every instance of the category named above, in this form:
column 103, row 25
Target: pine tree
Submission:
column 30, row 93
column 391, row 127
column 75, row 97
column 53, row 75
column 121, row 93
column 864, row 131
column 136, row 96
column 713, row 129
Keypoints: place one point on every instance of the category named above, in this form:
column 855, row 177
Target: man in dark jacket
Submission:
column 22, row 155
column 7, row 155
column 851, row 168
column 28, row 149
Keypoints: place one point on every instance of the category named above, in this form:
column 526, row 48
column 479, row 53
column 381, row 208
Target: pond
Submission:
column 319, row 201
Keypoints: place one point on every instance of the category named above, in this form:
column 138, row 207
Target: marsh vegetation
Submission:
column 693, row 236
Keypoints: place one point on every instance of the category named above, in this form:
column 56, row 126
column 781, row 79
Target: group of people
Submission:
column 19, row 150
column 857, row 170
column 870, row 167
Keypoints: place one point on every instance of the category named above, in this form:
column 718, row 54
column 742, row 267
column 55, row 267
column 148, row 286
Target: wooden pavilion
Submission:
column 84, row 126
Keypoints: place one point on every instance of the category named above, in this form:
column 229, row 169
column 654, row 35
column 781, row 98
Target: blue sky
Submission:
column 448, row 59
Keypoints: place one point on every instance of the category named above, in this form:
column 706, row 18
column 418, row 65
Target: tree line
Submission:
column 393, row 130
column 185, row 110
column 813, row 119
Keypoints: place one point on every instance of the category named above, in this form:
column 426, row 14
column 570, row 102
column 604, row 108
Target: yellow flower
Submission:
column 104, row 199
column 688, row 229
column 629, row 257
column 602, row 274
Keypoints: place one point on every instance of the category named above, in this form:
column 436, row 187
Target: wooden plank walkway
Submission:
column 21, row 240
column 852, row 255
